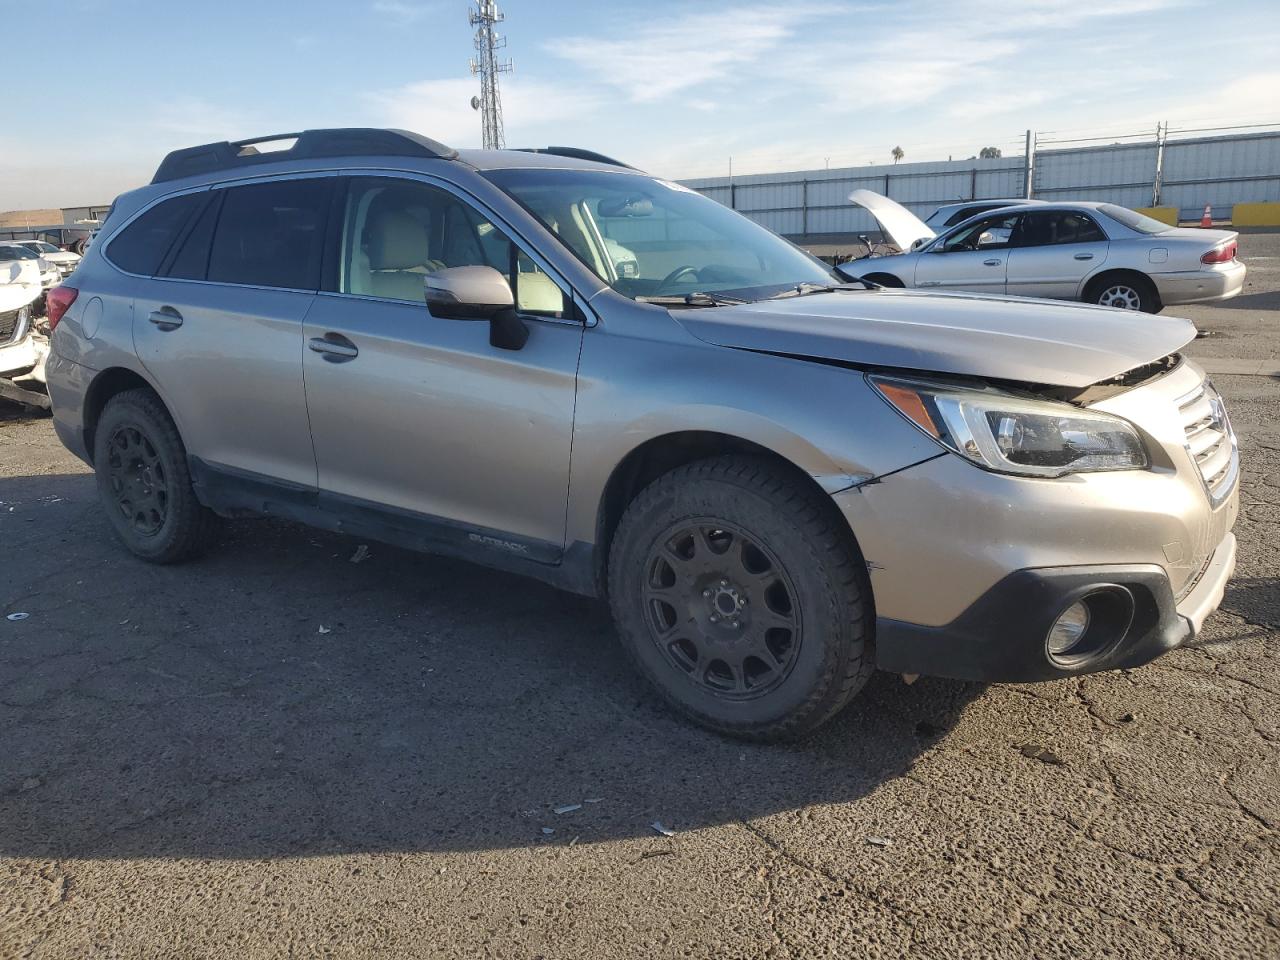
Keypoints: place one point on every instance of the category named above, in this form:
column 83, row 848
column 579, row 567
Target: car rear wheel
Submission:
column 1126, row 293
column 741, row 596
column 143, row 482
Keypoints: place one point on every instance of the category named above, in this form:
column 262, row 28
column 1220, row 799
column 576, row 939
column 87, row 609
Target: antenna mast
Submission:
column 484, row 17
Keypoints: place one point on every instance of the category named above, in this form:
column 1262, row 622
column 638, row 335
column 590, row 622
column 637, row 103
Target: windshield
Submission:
column 15, row 252
column 41, row 246
column 1134, row 220
column 652, row 238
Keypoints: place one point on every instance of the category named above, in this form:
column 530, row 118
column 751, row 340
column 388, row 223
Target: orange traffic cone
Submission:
column 1206, row 219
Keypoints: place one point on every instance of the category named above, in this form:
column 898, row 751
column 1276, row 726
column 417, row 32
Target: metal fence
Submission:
column 1165, row 170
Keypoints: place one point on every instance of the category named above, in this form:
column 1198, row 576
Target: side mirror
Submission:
column 477, row 293
column 467, row 293
column 919, row 242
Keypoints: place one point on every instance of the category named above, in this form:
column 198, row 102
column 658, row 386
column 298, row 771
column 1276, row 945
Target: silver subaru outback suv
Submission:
column 550, row 363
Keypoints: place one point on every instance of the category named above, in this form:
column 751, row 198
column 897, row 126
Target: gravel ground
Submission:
column 276, row 752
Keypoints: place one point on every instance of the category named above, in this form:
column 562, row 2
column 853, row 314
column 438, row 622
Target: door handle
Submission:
column 993, row 262
column 334, row 347
column 166, row 318
column 1084, row 256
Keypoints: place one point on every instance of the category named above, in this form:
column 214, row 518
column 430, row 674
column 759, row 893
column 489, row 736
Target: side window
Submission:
column 143, row 244
column 191, row 262
column 1055, row 227
column 271, row 234
column 395, row 232
column 991, row 233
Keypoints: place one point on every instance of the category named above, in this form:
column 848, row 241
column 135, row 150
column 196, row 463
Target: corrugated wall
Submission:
column 1216, row 170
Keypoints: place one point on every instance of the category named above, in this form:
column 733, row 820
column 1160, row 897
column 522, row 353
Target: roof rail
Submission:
column 577, row 153
column 340, row 142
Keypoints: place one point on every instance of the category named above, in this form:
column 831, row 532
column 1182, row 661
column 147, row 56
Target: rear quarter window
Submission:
column 142, row 245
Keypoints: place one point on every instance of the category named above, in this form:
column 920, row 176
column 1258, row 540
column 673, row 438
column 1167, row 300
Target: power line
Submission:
column 488, row 42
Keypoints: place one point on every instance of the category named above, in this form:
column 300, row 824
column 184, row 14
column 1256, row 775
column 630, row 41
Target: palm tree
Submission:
column 897, row 154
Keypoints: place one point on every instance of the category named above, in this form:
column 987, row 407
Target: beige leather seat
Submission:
column 398, row 249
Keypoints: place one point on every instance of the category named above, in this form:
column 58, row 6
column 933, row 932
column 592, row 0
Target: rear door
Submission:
column 970, row 258
column 220, row 327
column 421, row 418
column 1053, row 251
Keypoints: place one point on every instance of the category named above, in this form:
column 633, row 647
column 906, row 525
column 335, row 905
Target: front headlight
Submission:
column 1009, row 434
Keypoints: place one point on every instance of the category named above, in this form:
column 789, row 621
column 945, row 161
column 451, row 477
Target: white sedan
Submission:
column 1094, row 252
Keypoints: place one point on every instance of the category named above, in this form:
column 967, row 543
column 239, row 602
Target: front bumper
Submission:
column 1198, row 286
column 1001, row 637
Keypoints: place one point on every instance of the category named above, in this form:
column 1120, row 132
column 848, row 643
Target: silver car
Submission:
column 566, row 369
column 1094, row 252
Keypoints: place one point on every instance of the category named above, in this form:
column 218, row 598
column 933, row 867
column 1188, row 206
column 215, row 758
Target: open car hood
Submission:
column 899, row 224
column 998, row 338
column 13, row 293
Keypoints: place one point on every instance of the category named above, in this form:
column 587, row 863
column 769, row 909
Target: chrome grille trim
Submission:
column 1209, row 440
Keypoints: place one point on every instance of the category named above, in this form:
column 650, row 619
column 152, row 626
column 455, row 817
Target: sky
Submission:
column 682, row 88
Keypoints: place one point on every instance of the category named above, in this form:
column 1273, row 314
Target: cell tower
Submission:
column 484, row 17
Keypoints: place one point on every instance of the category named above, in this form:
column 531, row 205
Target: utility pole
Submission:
column 1030, row 165
column 1162, row 134
column 484, row 17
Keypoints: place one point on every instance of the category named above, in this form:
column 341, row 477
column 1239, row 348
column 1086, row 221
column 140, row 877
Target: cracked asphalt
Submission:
column 274, row 752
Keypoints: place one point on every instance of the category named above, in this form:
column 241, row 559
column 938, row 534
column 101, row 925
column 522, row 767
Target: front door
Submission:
column 971, row 258
column 421, row 417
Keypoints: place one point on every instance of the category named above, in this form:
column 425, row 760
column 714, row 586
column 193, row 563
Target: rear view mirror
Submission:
column 467, row 293
column 626, row 207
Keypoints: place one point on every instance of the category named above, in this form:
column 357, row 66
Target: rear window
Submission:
column 1134, row 220
column 271, row 234
column 141, row 245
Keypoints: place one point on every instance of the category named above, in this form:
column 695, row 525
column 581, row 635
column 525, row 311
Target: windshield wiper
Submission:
column 697, row 299
column 806, row 287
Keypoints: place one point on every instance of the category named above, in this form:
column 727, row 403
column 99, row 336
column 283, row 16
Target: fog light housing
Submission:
column 1068, row 630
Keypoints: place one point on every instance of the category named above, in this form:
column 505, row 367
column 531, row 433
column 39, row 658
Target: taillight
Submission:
column 56, row 303
column 1223, row 254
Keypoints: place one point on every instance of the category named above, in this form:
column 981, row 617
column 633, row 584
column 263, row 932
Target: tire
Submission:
column 1125, row 292
column 143, row 480
column 742, row 597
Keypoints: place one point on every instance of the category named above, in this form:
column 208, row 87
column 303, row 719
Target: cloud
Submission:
column 654, row 62
column 442, row 108
column 404, row 12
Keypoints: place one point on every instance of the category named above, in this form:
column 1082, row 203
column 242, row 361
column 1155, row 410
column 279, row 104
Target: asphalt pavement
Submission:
column 278, row 752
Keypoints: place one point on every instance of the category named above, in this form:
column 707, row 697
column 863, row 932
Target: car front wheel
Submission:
column 740, row 594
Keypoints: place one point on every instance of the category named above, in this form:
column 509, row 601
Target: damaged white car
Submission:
column 1093, row 252
column 24, row 340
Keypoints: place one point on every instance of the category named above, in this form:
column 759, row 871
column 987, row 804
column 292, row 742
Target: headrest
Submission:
column 396, row 241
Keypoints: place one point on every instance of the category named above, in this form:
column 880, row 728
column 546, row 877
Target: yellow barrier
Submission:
column 1167, row 215
column 1255, row 215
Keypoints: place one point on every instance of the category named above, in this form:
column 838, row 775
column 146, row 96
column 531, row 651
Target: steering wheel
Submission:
column 676, row 274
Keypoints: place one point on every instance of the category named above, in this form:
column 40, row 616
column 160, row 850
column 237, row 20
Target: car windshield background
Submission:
column 397, row 232
column 16, row 252
column 1134, row 220
column 990, row 233
column 650, row 238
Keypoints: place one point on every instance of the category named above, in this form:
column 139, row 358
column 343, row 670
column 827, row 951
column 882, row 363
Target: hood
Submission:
column 899, row 224
column 999, row 338
column 13, row 292
column 62, row 256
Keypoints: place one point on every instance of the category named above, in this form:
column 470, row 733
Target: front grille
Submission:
column 9, row 325
column 1210, row 440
